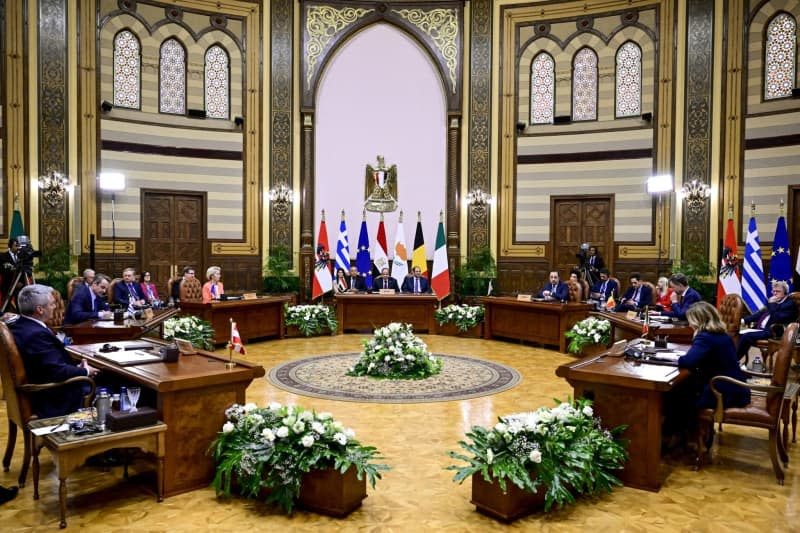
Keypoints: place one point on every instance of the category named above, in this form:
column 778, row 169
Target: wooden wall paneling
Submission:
column 521, row 275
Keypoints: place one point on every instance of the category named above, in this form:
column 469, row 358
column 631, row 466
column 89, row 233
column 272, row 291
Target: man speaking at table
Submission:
column 385, row 281
column 88, row 302
column 556, row 290
column 415, row 283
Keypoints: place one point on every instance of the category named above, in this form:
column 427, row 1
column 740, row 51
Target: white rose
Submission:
column 588, row 411
column 350, row 433
column 307, row 441
column 341, row 438
column 489, row 456
column 268, row 434
column 274, row 406
column 299, row 427
column 535, row 456
column 227, row 427
column 500, row 427
column 324, row 415
column 282, row 432
column 249, row 407
column 319, row 428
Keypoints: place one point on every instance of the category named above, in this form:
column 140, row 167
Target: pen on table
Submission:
column 54, row 428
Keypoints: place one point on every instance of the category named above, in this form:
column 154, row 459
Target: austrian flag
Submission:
column 236, row 340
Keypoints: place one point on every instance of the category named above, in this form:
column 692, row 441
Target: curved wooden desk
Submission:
column 259, row 317
column 107, row 331
column 370, row 311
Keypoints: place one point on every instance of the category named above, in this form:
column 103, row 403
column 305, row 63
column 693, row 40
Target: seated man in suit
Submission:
column 683, row 296
column 128, row 292
column 636, row 296
column 415, row 283
column 44, row 355
column 605, row 287
column 780, row 309
column 88, row 277
column 355, row 281
column 385, row 281
column 555, row 290
column 88, row 303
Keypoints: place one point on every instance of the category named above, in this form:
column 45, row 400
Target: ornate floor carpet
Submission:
column 326, row 376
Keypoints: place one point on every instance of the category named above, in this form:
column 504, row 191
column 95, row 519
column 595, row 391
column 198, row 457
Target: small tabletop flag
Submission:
column 610, row 303
column 236, row 340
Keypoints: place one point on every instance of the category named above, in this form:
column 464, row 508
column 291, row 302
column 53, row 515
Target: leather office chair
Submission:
column 574, row 291
column 110, row 291
column 71, row 286
column 731, row 309
column 653, row 298
column 191, row 290
column 585, row 293
column 764, row 411
column 18, row 398
column 57, row 320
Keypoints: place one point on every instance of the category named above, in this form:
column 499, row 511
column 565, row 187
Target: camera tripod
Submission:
column 23, row 277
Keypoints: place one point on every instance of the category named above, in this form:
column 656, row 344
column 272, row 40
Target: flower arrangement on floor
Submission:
column 463, row 316
column 272, row 447
column 396, row 353
column 190, row 328
column 563, row 450
column 311, row 319
column 587, row 332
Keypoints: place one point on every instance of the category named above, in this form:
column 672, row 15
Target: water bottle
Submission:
column 102, row 402
column 124, row 402
column 758, row 364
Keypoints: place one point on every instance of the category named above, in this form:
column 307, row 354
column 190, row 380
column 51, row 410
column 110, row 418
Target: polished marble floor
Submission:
column 737, row 492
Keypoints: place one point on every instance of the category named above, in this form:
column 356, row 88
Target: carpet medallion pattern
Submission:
column 326, row 376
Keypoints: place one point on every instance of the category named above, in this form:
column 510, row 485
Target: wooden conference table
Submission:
column 542, row 322
column 191, row 396
column 626, row 328
column 91, row 331
column 370, row 311
column 630, row 393
column 255, row 318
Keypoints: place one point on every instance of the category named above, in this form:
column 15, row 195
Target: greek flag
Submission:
column 754, row 292
column 343, row 248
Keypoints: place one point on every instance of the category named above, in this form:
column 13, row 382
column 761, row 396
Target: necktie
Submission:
column 386, row 284
column 353, row 282
column 680, row 299
column 416, row 285
column 13, row 257
column 131, row 291
column 636, row 296
column 553, row 291
column 763, row 322
column 603, row 287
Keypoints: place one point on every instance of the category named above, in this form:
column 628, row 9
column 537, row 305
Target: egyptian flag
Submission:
column 729, row 280
column 381, row 258
column 418, row 259
column 440, row 282
column 323, row 281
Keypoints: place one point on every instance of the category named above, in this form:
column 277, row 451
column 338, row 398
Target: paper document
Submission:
column 50, row 429
column 130, row 357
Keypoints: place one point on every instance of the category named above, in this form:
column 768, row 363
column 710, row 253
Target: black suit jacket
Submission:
column 779, row 313
column 47, row 361
column 122, row 295
column 645, row 295
column 8, row 269
column 611, row 288
column 378, row 284
column 408, row 285
column 357, row 282
column 81, row 307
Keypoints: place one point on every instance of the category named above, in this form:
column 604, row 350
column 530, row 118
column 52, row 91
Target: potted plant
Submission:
column 555, row 453
column 54, row 268
column 589, row 334
column 460, row 319
column 311, row 320
column 290, row 455
column 475, row 275
column 190, row 328
column 396, row 353
column 278, row 278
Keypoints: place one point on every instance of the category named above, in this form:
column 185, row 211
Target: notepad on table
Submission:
column 130, row 357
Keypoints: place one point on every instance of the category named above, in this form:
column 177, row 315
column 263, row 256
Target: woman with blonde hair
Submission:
column 213, row 289
column 663, row 294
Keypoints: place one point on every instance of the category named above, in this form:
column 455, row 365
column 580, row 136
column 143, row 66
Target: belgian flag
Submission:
column 418, row 259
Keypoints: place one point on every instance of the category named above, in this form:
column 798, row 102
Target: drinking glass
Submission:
column 133, row 397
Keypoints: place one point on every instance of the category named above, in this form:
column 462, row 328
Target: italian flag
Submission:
column 440, row 281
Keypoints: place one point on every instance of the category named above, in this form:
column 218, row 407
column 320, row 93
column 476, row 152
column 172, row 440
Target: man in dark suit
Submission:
column 128, row 293
column 385, row 281
column 43, row 353
column 780, row 309
column 415, row 283
column 88, row 303
column 635, row 295
column 555, row 290
column 355, row 281
column 605, row 287
column 683, row 296
column 9, row 261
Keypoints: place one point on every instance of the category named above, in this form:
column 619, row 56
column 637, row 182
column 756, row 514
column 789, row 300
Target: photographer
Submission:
column 9, row 262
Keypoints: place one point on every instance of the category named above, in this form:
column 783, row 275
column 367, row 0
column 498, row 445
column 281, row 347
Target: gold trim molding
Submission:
column 441, row 26
column 323, row 23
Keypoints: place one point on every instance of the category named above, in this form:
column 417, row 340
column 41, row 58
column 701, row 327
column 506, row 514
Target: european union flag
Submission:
column 780, row 265
column 363, row 261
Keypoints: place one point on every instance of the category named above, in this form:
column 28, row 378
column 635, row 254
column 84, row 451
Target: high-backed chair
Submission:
column 18, row 397
column 71, row 286
column 574, row 291
column 654, row 298
column 775, row 332
column 191, row 290
column 111, row 287
column 620, row 290
column 585, row 292
column 57, row 319
column 731, row 309
column 764, row 411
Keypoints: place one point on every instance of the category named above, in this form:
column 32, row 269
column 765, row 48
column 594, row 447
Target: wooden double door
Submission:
column 173, row 234
column 578, row 220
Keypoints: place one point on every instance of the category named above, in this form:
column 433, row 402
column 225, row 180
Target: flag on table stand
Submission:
column 400, row 260
column 236, row 340
column 363, row 262
column 419, row 257
column 440, row 281
column 610, row 303
column 754, row 293
column 729, row 276
column 343, row 247
column 780, row 266
column 381, row 258
column 323, row 281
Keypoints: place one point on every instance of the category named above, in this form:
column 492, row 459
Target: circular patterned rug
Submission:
column 326, row 376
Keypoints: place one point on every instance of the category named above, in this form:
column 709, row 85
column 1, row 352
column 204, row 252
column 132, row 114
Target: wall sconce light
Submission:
column 479, row 198
column 695, row 193
column 281, row 194
column 53, row 186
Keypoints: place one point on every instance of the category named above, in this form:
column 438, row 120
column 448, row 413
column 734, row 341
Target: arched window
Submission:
column 172, row 78
column 217, row 82
column 629, row 80
column 584, row 85
column 780, row 56
column 543, row 89
column 127, row 70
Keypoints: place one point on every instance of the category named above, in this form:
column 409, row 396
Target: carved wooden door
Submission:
column 580, row 220
column 173, row 235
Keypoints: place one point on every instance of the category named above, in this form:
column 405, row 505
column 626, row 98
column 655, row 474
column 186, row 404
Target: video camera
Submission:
column 582, row 254
column 26, row 253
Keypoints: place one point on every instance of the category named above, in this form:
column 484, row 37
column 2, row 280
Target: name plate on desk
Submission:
column 386, row 291
column 631, row 315
column 524, row 297
column 249, row 296
column 147, row 314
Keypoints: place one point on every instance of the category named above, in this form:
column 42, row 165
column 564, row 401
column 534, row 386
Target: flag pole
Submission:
column 231, row 364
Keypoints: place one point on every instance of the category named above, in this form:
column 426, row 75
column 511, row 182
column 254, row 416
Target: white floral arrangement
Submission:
column 273, row 447
column 396, row 353
column 190, row 328
column 463, row 316
column 311, row 319
column 587, row 332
